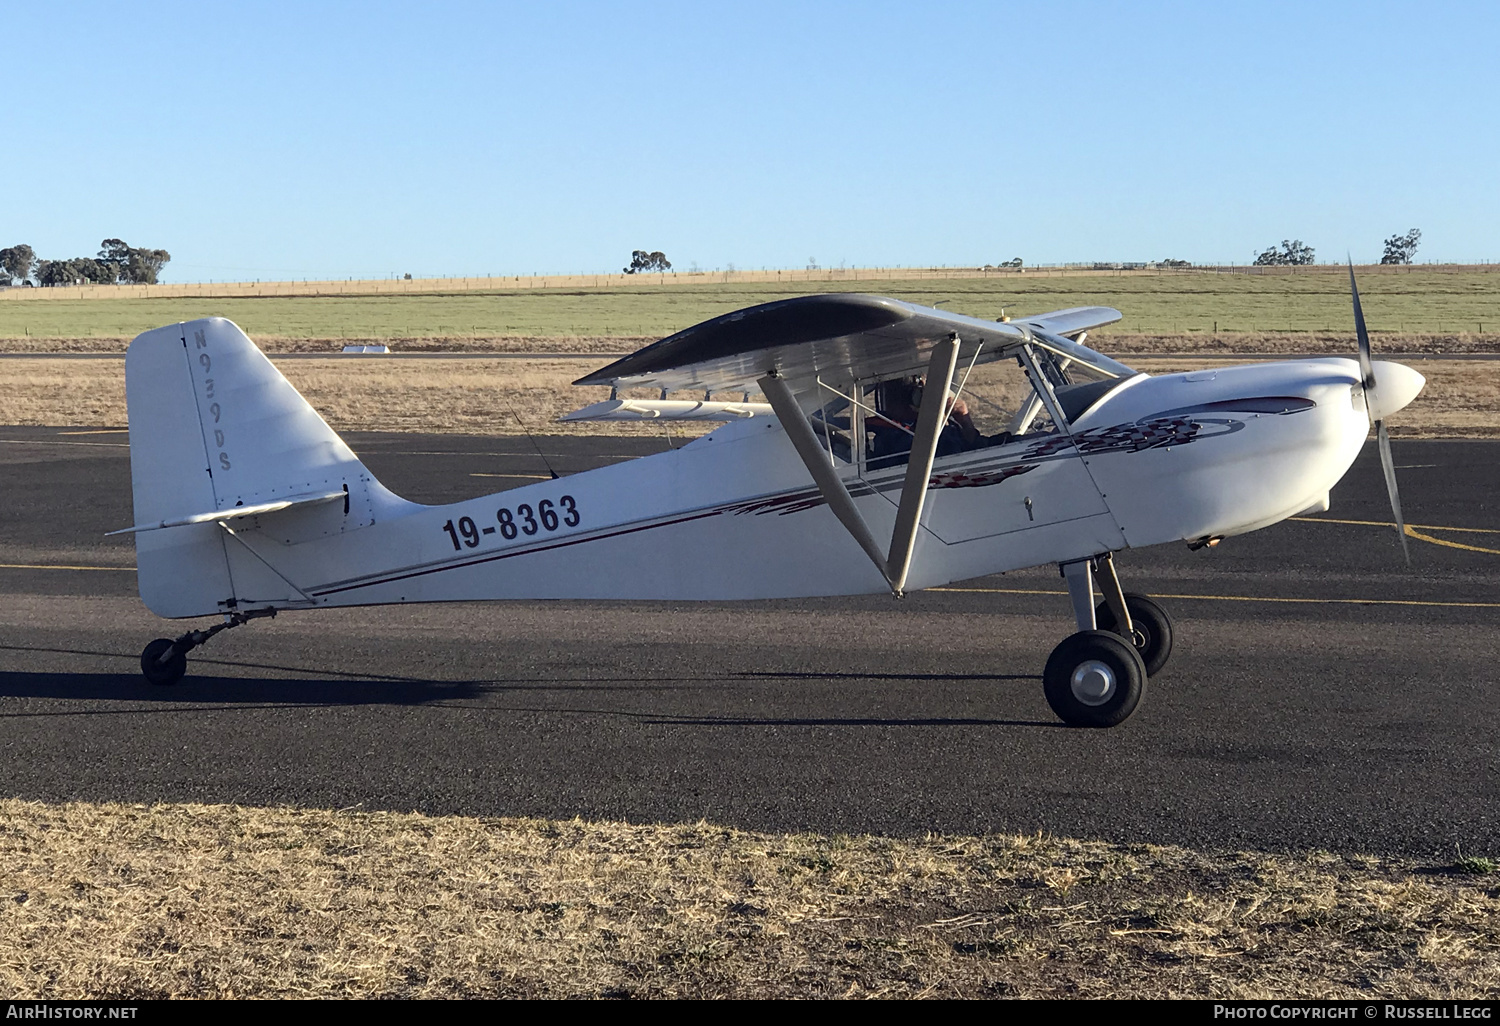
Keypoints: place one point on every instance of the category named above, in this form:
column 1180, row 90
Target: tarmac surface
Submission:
column 1321, row 695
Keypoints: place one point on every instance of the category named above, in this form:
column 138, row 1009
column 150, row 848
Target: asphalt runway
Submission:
column 1321, row 695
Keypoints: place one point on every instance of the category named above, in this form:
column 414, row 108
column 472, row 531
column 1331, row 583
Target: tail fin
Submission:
column 214, row 427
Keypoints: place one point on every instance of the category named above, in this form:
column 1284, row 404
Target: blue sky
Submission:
column 336, row 140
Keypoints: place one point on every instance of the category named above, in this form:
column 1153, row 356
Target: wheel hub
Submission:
column 1093, row 682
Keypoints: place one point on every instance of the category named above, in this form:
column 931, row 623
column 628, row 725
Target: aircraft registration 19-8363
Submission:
column 863, row 471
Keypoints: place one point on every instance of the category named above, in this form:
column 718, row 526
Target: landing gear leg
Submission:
column 1134, row 617
column 1094, row 678
column 164, row 661
column 1080, row 578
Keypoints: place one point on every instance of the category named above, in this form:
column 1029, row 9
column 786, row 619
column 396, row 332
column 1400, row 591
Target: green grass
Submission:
column 1419, row 300
column 1475, row 865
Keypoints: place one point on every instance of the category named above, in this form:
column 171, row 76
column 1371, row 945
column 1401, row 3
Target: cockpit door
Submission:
column 1034, row 484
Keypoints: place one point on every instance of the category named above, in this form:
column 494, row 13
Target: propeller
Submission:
column 1368, row 386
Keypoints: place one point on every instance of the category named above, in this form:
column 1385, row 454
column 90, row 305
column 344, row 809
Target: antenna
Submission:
column 532, row 440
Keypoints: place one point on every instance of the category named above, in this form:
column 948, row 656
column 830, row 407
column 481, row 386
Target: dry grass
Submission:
column 476, row 396
column 127, row 901
column 481, row 397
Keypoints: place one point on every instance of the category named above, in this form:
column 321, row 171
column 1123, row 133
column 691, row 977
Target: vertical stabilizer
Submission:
column 214, row 426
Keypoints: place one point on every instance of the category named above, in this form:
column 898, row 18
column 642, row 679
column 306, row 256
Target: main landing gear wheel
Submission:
column 1152, row 629
column 162, row 662
column 1094, row 679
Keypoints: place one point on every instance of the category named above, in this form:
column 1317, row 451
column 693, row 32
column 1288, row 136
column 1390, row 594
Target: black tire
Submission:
column 158, row 672
column 1094, row 679
column 1153, row 629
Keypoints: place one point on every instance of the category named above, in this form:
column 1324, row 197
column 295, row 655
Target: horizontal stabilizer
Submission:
column 667, row 409
column 237, row 511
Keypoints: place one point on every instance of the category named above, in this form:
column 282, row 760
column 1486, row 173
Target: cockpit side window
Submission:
column 833, row 425
column 988, row 405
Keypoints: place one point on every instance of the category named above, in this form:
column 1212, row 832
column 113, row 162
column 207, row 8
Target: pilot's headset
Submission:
column 895, row 395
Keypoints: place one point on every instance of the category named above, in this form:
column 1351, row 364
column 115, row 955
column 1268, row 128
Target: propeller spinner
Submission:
column 1387, row 387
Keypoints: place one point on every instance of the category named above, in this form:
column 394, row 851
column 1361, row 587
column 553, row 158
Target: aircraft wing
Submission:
column 837, row 336
column 1073, row 320
column 667, row 409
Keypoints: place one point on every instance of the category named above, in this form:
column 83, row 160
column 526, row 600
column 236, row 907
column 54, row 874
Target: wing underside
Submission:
column 838, row 336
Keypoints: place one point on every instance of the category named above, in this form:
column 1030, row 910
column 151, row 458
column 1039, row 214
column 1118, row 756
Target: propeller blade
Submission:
column 1388, row 464
column 1367, row 372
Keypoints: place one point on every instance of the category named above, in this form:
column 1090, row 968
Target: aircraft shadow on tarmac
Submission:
column 343, row 689
column 219, row 691
column 845, row 721
column 934, row 677
column 352, row 689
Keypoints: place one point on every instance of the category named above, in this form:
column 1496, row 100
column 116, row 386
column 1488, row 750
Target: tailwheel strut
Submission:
column 164, row 660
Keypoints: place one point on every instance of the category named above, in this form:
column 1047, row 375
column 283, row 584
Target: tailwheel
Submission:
column 1151, row 629
column 163, row 662
column 1094, row 679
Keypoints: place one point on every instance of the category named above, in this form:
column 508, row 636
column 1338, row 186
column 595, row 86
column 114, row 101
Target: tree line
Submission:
column 1399, row 249
column 118, row 263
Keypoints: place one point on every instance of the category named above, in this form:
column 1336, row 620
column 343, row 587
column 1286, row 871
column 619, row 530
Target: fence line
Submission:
column 419, row 286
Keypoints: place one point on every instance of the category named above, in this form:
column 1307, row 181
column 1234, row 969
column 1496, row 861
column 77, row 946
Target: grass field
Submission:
column 189, row 901
column 1415, row 300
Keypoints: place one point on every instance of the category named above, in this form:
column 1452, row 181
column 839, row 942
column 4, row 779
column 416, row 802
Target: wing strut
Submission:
column 931, row 417
column 827, row 479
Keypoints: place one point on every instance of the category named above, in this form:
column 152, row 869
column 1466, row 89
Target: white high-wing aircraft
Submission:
column 860, row 475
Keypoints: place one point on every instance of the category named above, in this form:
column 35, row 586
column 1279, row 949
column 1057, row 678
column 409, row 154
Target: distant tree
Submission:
column 642, row 262
column 71, row 272
column 1174, row 263
column 16, row 263
column 114, row 252
column 1012, row 262
column 1399, row 249
column 132, row 266
column 1292, row 251
column 145, row 265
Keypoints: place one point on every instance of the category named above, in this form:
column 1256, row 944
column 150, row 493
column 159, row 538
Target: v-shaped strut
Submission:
column 895, row 564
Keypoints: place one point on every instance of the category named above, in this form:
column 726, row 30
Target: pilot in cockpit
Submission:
column 898, row 402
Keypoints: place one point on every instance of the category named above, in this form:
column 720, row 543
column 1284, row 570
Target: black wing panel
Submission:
column 835, row 335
